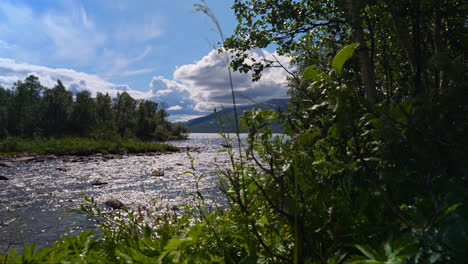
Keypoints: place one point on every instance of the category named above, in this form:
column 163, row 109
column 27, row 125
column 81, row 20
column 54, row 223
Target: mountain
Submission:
column 210, row 123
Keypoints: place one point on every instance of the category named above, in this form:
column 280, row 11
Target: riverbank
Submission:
column 20, row 147
column 9, row 160
column 40, row 186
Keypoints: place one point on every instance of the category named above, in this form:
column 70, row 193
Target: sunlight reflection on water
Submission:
column 31, row 202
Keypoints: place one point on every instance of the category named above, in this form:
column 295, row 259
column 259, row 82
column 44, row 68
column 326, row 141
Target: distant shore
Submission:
column 15, row 147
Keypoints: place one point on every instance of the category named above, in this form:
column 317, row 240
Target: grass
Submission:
column 77, row 146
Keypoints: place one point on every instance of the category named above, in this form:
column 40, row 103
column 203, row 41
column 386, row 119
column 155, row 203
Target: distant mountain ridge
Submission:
column 210, row 124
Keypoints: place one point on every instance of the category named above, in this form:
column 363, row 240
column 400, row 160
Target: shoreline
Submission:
column 75, row 146
column 33, row 157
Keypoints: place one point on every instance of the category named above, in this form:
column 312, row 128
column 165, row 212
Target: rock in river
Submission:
column 114, row 204
column 24, row 159
column 157, row 172
column 99, row 182
column 3, row 178
column 6, row 164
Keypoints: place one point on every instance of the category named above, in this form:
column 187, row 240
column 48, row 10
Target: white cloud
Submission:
column 136, row 72
column 143, row 54
column 207, row 81
column 182, row 118
column 113, row 63
column 175, row 108
column 162, row 87
column 12, row 71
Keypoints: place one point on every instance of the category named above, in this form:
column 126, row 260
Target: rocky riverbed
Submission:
column 34, row 191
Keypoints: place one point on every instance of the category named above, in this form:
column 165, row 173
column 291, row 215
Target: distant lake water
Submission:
column 31, row 201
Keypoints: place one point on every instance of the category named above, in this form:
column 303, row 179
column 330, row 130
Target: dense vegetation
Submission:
column 78, row 146
column 375, row 168
column 31, row 110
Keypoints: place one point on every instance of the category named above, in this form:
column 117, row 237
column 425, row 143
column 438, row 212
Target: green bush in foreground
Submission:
column 332, row 193
column 351, row 184
column 78, row 146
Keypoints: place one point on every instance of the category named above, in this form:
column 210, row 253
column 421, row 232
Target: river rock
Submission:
column 24, row 159
column 3, row 178
column 99, row 182
column 6, row 164
column 62, row 169
column 114, row 203
column 157, row 172
column 50, row 156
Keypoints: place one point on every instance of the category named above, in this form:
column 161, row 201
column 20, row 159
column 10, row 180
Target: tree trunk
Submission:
column 413, row 52
column 364, row 61
column 442, row 83
column 417, row 46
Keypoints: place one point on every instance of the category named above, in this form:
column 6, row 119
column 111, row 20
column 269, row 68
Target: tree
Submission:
column 5, row 100
column 362, row 171
column 314, row 31
column 125, row 115
column 104, row 107
column 25, row 112
column 83, row 115
column 146, row 119
column 57, row 109
column 105, row 128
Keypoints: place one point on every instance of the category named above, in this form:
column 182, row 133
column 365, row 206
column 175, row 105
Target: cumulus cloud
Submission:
column 12, row 71
column 207, row 81
column 175, row 108
column 161, row 86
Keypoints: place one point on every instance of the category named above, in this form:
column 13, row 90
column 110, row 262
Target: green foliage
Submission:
column 78, row 146
column 342, row 56
column 351, row 180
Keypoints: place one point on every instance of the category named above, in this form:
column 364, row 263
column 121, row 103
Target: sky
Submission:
column 156, row 50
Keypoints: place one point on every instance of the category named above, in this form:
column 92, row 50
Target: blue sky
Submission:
column 158, row 50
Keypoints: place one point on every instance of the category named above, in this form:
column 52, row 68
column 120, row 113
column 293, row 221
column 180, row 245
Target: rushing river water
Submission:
column 31, row 201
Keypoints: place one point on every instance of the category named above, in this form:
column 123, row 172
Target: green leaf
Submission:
column 342, row 56
column 199, row 178
column 367, row 251
column 311, row 73
column 447, row 211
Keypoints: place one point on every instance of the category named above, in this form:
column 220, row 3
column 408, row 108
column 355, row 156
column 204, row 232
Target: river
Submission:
column 33, row 199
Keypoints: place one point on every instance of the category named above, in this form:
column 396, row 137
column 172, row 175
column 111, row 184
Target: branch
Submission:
column 382, row 192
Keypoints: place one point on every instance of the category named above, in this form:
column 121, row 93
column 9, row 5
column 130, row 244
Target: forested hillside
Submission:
column 32, row 110
column 211, row 124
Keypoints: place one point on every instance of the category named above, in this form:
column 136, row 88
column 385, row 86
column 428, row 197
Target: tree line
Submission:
column 30, row 109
